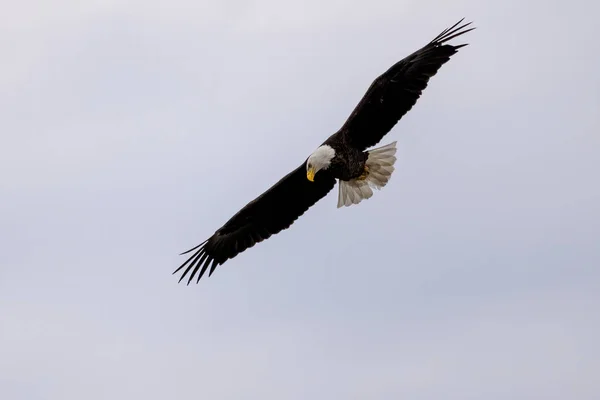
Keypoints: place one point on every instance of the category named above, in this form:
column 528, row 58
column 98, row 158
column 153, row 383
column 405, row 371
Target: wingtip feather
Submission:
column 193, row 248
column 452, row 32
column 213, row 267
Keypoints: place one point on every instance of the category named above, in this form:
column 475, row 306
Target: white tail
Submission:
column 380, row 165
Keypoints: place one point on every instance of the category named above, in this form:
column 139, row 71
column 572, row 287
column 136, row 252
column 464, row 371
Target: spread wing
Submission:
column 273, row 211
column 397, row 90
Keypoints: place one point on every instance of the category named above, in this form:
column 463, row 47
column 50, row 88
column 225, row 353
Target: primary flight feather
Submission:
column 342, row 157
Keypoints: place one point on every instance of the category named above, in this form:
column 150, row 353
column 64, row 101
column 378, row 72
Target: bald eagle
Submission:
column 342, row 157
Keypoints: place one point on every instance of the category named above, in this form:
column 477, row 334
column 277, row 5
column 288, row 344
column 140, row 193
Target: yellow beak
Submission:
column 310, row 174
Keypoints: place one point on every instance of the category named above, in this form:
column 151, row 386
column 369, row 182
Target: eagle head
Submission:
column 318, row 160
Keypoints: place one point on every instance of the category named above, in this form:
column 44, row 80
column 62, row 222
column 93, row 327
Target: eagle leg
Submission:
column 364, row 175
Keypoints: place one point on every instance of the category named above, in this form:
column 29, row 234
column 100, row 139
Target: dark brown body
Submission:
column 349, row 162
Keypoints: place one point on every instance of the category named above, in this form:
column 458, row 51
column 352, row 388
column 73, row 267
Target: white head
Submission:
column 320, row 159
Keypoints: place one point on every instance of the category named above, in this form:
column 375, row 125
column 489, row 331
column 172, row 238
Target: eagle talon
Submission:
column 364, row 175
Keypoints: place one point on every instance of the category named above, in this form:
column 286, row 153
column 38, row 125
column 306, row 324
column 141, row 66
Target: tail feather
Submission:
column 380, row 165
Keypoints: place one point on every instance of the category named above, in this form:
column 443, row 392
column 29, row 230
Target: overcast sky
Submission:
column 131, row 130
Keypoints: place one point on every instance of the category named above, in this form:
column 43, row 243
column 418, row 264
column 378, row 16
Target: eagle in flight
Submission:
column 342, row 158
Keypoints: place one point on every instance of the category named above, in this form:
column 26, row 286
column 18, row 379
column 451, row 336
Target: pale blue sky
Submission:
column 131, row 130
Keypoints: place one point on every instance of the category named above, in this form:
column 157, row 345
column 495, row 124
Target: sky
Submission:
column 131, row 130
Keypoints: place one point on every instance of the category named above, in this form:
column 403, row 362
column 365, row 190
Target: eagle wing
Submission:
column 396, row 91
column 273, row 211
